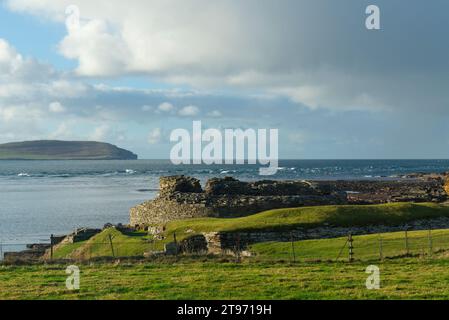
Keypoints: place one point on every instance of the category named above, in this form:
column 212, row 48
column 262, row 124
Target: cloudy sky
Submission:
column 132, row 71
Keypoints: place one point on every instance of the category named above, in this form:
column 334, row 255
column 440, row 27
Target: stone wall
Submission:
column 230, row 242
column 162, row 210
column 182, row 197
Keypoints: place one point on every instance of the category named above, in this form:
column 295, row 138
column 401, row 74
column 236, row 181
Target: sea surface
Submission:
column 39, row 198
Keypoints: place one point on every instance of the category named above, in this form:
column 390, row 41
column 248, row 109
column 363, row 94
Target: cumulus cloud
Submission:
column 166, row 107
column 56, row 107
column 316, row 52
column 254, row 63
column 189, row 111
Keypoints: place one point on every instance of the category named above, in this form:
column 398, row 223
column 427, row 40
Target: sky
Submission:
column 132, row 71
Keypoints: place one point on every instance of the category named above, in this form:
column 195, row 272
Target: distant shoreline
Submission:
column 63, row 150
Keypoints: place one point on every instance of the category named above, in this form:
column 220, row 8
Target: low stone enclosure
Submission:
column 183, row 197
column 233, row 243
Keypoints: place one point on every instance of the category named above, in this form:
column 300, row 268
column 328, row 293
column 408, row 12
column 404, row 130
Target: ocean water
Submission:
column 39, row 198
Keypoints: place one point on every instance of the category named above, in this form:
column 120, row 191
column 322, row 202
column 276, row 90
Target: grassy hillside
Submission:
column 399, row 279
column 62, row 150
column 344, row 216
column 366, row 247
column 129, row 245
column 310, row 217
column 269, row 274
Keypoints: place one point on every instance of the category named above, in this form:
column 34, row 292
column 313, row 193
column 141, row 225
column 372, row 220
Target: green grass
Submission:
column 311, row 217
column 6, row 155
column 129, row 245
column 268, row 274
column 400, row 279
column 282, row 220
column 366, row 247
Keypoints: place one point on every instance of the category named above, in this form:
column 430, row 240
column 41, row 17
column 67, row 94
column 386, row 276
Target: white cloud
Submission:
column 10, row 60
column 166, row 107
column 56, row 107
column 97, row 50
column 155, row 136
column 189, row 111
column 306, row 53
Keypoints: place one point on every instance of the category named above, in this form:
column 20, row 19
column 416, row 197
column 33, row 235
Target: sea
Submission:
column 40, row 198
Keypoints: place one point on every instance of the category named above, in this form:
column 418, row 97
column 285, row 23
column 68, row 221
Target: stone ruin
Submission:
column 182, row 197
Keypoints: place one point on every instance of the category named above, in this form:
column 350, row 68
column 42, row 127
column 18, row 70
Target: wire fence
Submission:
column 424, row 243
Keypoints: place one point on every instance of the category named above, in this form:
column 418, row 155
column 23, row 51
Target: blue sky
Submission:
column 132, row 72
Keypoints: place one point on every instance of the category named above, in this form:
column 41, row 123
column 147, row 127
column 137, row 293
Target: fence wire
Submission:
column 424, row 243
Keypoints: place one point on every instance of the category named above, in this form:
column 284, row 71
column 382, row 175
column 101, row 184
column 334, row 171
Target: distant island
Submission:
column 63, row 150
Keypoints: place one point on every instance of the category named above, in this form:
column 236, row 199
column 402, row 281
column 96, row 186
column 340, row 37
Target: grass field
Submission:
column 270, row 273
column 399, row 279
column 366, row 247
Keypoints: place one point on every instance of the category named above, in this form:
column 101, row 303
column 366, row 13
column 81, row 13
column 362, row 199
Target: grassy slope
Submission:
column 400, row 279
column 264, row 276
column 8, row 155
column 123, row 245
column 310, row 217
column 366, row 247
column 397, row 213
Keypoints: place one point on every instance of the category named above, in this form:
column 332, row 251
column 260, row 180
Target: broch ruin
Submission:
column 182, row 197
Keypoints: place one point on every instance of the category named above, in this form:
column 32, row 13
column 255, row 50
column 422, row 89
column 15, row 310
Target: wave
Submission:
column 24, row 174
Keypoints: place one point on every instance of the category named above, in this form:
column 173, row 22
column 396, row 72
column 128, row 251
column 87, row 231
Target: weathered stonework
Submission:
column 232, row 242
column 182, row 197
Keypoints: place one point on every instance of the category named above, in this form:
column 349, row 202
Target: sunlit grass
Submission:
column 400, row 279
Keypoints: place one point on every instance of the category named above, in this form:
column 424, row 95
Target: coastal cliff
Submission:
column 63, row 150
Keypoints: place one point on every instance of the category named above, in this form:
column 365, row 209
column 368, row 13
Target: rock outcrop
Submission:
column 182, row 197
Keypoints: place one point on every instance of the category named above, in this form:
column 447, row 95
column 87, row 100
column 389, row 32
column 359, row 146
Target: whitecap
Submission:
column 23, row 174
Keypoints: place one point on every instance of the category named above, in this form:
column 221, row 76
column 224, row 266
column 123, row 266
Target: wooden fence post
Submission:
column 176, row 244
column 238, row 247
column 112, row 246
column 429, row 236
column 407, row 250
column 293, row 246
column 51, row 246
column 351, row 248
column 381, row 254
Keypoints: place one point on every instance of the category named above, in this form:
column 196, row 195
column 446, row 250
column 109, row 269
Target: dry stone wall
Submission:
column 231, row 242
column 182, row 197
